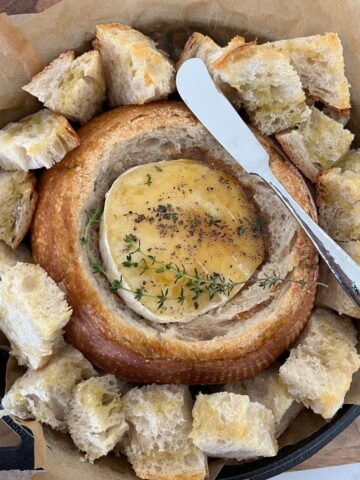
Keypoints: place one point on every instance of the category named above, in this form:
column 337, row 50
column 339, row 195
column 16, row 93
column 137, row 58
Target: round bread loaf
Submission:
column 231, row 342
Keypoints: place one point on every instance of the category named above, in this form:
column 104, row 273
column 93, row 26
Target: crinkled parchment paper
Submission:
column 34, row 41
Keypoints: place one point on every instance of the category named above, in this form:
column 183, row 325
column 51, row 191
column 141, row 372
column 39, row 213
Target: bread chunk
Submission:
column 316, row 144
column 17, row 205
column 33, row 312
column 319, row 61
column 319, row 370
column 10, row 257
column 158, row 444
column 203, row 47
column 333, row 296
column 266, row 388
column 96, row 420
column 229, row 425
column 338, row 200
column 73, row 87
column 38, row 140
column 268, row 86
column 44, row 394
column 200, row 46
column 136, row 71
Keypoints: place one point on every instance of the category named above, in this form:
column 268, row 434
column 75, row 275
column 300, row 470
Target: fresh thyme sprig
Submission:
column 93, row 217
column 209, row 284
column 196, row 284
column 98, row 267
column 148, row 180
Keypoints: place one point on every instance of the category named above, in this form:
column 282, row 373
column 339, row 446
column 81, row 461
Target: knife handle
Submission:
column 346, row 271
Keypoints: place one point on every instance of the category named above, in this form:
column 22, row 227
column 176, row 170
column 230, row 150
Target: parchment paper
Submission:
column 25, row 62
column 71, row 25
column 25, row 48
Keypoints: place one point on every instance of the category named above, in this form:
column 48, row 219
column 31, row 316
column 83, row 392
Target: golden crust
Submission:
column 193, row 44
column 229, row 55
column 108, row 340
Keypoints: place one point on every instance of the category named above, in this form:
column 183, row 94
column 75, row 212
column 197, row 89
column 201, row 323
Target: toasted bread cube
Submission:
column 267, row 84
column 319, row 61
column 71, row 87
column 136, row 71
column 95, row 418
column 203, row 47
column 319, row 370
column 33, row 312
column 317, row 143
column 338, row 196
column 266, row 388
column 158, row 444
column 38, row 140
column 229, row 425
column 200, row 46
column 333, row 296
column 44, row 394
column 17, row 205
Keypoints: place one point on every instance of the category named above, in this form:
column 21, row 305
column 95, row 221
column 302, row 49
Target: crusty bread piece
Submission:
column 33, row 312
column 319, row 370
column 333, row 296
column 9, row 257
column 136, row 71
column 268, row 86
column 17, row 205
column 266, row 388
column 38, row 140
column 72, row 87
column 200, row 46
column 317, row 143
column 229, row 425
column 319, row 61
column 157, row 444
column 44, row 394
column 338, row 200
column 95, row 417
column 203, row 47
column 216, row 347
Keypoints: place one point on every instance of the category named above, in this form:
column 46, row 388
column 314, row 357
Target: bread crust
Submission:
column 112, row 342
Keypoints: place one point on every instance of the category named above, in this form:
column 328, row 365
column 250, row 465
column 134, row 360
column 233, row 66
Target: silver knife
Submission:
column 216, row 113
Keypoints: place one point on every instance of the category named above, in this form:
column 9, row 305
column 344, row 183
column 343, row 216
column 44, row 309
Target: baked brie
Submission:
column 182, row 236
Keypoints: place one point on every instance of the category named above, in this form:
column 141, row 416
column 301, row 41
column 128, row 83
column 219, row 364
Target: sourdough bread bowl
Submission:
column 232, row 341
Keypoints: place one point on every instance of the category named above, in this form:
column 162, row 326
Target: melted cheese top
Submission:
column 185, row 215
